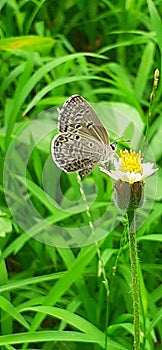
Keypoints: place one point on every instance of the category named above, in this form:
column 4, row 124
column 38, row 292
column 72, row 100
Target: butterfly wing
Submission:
column 77, row 113
column 73, row 152
column 83, row 141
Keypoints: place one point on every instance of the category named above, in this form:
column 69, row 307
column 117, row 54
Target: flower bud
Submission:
column 128, row 195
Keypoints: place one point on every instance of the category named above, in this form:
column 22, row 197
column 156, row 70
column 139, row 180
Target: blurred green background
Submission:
column 106, row 51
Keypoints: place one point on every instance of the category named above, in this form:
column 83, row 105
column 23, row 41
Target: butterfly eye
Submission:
column 113, row 147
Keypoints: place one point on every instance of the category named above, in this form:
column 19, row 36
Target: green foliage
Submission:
column 51, row 297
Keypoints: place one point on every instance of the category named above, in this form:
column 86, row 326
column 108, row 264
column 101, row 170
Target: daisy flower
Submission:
column 129, row 168
column 129, row 175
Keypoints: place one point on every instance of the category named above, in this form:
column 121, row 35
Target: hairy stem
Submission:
column 135, row 276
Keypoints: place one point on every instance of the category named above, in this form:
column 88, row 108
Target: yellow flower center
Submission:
column 130, row 161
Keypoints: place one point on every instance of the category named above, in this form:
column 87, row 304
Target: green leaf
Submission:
column 156, row 21
column 144, row 70
column 156, row 318
column 56, row 336
column 12, row 311
column 70, row 318
column 153, row 237
column 5, row 226
column 30, row 43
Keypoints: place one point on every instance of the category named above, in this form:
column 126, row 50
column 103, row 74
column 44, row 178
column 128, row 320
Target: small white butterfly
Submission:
column 83, row 141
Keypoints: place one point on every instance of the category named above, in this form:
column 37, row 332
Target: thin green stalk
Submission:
column 152, row 97
column 123, row 241
column 135, row 276
column 101, row 268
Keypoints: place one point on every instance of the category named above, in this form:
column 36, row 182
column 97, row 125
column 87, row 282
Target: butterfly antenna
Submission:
column 121, row 138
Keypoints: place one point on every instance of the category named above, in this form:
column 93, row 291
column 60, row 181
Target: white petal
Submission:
column 147, row 166
column 147, row 169
column 149, row 173
column 115, row 175
column 134, row 177
column 123, row 175
column 120, row 175
column 111, row 173
column 130, row 177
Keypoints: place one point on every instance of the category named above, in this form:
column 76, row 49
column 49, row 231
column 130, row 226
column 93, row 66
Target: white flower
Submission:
column 129, row 168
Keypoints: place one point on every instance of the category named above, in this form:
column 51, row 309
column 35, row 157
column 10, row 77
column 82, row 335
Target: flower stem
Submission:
column 135, row 276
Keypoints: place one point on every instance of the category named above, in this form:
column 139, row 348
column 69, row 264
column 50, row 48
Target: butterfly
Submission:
column 83, row 141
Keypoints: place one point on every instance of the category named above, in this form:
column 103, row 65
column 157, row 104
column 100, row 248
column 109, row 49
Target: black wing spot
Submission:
column 91, row 144
column 77, row 126
column 57, row 143
column 89, row 124
column 62, row 161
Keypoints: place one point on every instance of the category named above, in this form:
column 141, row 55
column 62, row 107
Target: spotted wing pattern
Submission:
column 83, row 141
